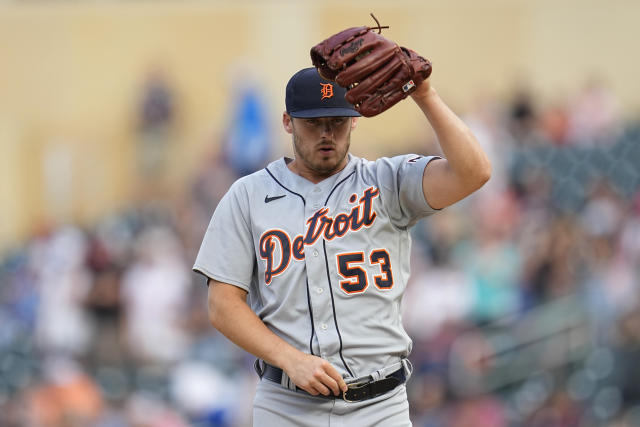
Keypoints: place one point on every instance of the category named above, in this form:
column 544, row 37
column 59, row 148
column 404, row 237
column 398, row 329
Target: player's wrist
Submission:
column 286, row 356
column 424, row 92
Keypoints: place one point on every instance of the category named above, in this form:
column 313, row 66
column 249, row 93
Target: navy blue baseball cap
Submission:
column 309, row 95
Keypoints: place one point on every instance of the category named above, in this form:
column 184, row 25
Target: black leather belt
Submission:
column 358, row 391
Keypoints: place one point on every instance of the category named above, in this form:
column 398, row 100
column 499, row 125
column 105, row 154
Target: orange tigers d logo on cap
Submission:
column 326, row 91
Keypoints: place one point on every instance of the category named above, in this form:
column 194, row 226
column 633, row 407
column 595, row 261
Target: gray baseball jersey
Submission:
column 326, row 264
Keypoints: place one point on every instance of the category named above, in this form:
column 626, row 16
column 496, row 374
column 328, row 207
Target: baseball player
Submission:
column 307, row 259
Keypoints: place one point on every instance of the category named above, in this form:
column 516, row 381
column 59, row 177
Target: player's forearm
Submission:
column 465, row 157
column 234, row 319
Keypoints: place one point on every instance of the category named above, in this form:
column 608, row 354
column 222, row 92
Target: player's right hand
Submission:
column 315, row 375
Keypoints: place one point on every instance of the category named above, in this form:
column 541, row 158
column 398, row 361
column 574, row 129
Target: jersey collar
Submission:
column 293, row 181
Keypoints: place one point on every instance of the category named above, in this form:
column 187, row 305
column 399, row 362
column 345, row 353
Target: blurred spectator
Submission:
column 626, row 355
column 551, row 260
column 104, row 306
column 522, row 117
column 68, row 397
column 560, row 411
column 248, row 141
column 594, row 115
column 480, row 411
column 438, row 292
column 144, row 410
column 491, row 260
column 602, row 216
column 204, row 393
column 428, row 400
column 555, row 124
column 630, row 234
column 155, row 288
column 156, row 115
column 64, row 281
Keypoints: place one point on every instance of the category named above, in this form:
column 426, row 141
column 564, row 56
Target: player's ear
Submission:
column 354, row 122
column 286, row 122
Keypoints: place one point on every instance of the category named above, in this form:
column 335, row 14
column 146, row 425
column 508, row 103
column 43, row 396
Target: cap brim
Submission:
column 324, row 112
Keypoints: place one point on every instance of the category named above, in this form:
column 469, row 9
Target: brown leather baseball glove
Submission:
column 376, row 71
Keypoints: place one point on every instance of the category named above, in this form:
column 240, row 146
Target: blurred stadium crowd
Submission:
column 523, row 303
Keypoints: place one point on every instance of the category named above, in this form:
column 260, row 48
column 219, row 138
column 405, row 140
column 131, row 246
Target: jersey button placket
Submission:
column 317, row 274
column 316, row 203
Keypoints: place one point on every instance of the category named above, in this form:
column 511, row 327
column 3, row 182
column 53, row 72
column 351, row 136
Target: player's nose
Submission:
column 327, row 127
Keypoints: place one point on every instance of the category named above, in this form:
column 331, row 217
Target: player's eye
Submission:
column 312, row 122
column 339, row 120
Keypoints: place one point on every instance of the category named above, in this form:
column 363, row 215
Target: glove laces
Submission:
column 377, row 27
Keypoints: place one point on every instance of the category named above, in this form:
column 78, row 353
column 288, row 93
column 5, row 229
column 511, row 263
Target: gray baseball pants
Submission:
column 277, row 406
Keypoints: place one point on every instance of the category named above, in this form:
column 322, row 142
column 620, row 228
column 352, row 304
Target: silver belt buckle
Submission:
column 355, row 386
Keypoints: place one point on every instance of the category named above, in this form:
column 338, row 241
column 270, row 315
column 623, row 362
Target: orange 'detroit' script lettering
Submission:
column 277, row 241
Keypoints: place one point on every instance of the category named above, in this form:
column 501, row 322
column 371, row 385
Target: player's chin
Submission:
column 326, row 165
column 326, row 156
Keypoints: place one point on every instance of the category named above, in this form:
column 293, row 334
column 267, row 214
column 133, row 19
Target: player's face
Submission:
column 321, row 144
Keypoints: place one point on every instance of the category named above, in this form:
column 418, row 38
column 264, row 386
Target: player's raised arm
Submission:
column 230, row 314
column 465, row 167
